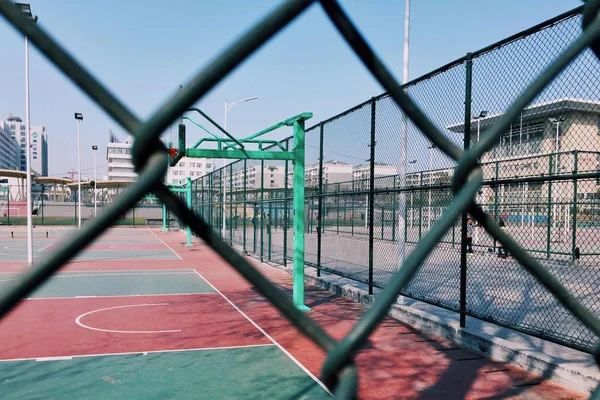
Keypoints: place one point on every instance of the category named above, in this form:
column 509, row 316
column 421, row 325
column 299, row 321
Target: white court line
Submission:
column 119, row 295
column 78, row 319
column 59, row 358
column 125, row 353
column 165, row 244
column 45, row 247
column 95, row 271
column 267, row 336
column 70, row 275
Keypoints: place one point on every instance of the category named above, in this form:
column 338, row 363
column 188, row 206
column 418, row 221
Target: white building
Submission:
column 10, row 151
column 384, row 176
column 39, row 145
column 333, row 172
column 273, row 177
column 120, row 166
column 189, row 167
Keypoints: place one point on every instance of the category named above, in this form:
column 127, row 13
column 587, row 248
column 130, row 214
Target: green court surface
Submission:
column 261, row 372
column 116, row 283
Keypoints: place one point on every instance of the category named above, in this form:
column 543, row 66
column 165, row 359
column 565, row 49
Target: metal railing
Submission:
column 150, row 159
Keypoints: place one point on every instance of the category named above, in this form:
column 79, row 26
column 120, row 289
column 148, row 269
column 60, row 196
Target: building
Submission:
column 118, row 157
column 333, row 172
column 272, row 177
column 189, row 167
column 10, row 151
column 384, row 176
column 120, row 166
column 39, row 145
column 555, row 137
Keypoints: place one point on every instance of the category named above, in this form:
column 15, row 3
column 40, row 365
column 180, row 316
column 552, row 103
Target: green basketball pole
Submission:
column 232, row 148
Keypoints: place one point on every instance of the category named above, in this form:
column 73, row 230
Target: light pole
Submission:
column 79, row 118
column 95, row 149
column 556, row 121
column 401, row 225
column 26, row 9
column 229, row 106
column 482, row 114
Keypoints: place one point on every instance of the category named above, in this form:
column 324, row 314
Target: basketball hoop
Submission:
column 172, row 152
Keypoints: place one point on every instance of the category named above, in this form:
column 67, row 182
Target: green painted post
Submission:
column 285, row 206
column 549, row 209
column 320, row 219
column 164, row 218
column 262, row 208
column 270, row 230
column 371, row 210
column 420, row 206
column 298, row 290
column 574, row 211
column 244, row 198
column 230, row 204
column 496, row 201
column 394, row 213
column 188, row 200
column 41, row 210
column 337, row 209
column 382, row 221
column 352, row 205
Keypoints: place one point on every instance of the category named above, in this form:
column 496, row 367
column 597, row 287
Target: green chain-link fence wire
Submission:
column 150, row 158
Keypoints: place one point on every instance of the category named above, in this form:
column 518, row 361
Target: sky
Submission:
column 142, row 51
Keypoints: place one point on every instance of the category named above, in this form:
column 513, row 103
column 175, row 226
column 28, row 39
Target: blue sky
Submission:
column 143, row 53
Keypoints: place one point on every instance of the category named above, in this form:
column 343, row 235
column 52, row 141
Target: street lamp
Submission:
column 79, row 118
column 229, row 106
column 556, row 121
column 95, row 149
column 26, row 9
column 481, row 115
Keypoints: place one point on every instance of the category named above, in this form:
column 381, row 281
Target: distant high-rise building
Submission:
column 39, row 145
column 10, row 152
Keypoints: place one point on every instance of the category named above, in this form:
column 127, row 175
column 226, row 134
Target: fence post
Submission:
column 463, row 241
column 285, row 206
column 394, row 213
column 420, row 205
column 337, row 209
column 244, row 205
column 496, row 200
column 371, row 195
column 8, row 204
column 320, row 224
column 41, row 210
column 574, row 238
column 549, row 209
column 262, row 207
column 230, row 204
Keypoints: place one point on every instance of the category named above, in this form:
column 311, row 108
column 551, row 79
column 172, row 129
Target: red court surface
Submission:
column 396, row 363
column 59, row 327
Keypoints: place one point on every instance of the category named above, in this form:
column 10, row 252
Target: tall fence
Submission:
column 54, row 204
column 370, row 201
column 549, row 62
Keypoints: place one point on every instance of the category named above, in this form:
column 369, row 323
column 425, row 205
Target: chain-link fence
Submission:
column 354, row 186
column 385, row 216
column 58, row 205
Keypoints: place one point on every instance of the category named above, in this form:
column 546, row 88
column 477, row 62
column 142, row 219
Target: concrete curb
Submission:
column 579, row 373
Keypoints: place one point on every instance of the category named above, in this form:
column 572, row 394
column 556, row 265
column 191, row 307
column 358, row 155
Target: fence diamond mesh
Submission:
column 527, row 166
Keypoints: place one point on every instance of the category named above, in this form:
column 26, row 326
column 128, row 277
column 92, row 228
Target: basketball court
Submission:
column 136, row 333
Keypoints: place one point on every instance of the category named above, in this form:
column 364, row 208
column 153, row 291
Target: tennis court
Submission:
column 181, row 323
